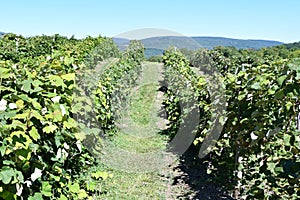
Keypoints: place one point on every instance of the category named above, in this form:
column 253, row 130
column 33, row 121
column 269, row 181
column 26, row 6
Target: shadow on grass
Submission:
column 202, row 185
column 192, row 170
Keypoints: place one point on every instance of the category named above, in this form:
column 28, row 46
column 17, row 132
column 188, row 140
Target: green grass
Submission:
column 142, row 103
column 136, row 145
column 139, row 145
column 131, row 186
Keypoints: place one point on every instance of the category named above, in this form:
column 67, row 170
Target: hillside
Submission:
column 193, row 43
column 149, row 52
column 211, row 42
column 295, row 45
column 155, row 45
column 121, row 43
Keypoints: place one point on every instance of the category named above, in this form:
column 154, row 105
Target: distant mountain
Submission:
column 167, row 41
column 211, row 42
column 121, row 43
column 158, row 44
column 1, row 33
column 193, row 43
column 295, row 45
column 149, row 52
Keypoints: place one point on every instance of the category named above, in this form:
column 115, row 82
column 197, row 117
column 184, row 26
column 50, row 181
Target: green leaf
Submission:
column 288, row 105
column 279, row 169
column 256, row 86
column 24, row 154
column 6, row 175
column 68, row 60
column 36, row 105
column 20, row 176
column 3, row 88
column 18, row 124
column 37, row 196
column 23, row 97
column 56, row 116
column 8, row 162
column 56, row 178
column 286, row 139
column 57, row 81
column 23, row 115
column 242, row 95
column 46, row 189
column 37, row 115
column 298, row 75
column 74, row 188
column 281, row 79
column 63, row 197
column 201, row 81
column 34, row 134
column 26, row 86
column 7, row 195
column 279, row 94
column 271, row 166
column 91, row 186
column 4, row 73
column 71, row 123
column 2, row 150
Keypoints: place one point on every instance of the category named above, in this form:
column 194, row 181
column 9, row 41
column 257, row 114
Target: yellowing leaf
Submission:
column 97, row 175
column 68, row 77
column 80, row 136
column 23, row 115
column 50, row 129
column 18, row 124
column 20, row 104
column 82, row 194
column 19, row 141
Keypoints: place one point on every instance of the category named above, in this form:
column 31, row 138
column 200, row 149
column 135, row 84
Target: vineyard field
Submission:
column 228, row 116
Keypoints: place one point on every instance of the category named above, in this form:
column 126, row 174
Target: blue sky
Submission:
column 244, row 19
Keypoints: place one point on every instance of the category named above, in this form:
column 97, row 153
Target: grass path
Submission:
column 136, row 156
